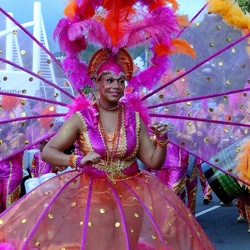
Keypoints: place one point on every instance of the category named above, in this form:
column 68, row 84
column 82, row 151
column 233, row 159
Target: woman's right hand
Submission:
column 91, row 157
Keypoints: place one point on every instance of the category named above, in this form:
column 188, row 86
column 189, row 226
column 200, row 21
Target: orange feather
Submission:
column 183, row 47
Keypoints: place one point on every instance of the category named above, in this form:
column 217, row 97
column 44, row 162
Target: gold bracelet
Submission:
column 72, row 161
column 162, row 143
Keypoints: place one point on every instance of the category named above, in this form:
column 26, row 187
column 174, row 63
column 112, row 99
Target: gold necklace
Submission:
column 110, row 167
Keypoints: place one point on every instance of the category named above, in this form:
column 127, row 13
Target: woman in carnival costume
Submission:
column 107, row 202
column 11, row 169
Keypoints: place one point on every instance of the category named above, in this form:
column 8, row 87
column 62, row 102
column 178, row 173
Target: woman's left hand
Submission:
column 159, row 129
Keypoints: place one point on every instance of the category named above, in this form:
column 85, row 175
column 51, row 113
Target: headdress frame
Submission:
column 122, row 57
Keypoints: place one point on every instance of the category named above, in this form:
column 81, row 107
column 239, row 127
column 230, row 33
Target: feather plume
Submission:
column 79, row 103
column 72, row 47
column 182, row 46
column 116, row 24
column 160, row 24
column 154, row 73
column 77, row 72
column 183, row 20
column 230, row 12
column 243, row 166
column 93, row 30
column 155, row 4
column 135, row 103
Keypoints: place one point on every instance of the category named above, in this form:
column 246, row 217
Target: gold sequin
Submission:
column 1, row 222
column 90, row 224
column 136, row 215
column 51, row 216
column 153, row 237
column 117, row 224
column 102, row 211
column 24, row 221
column 81, row 223
column 38, row 244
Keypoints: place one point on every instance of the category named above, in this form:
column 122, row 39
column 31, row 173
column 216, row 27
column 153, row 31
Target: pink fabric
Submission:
column 11, row 175
column 75, row 209
column 38, row 166
column 173, row 172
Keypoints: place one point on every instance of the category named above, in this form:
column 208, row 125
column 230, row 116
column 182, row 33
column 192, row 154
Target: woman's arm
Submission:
column 66, row 136
column 153, row 157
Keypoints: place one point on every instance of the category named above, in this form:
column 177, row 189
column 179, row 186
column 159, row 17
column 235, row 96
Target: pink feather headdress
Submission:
column 116, row 25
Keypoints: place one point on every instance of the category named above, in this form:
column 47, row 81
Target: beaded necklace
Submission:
column 106, row 108
column 110, row 167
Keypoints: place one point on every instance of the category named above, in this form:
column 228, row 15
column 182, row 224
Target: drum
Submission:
column 224, row 186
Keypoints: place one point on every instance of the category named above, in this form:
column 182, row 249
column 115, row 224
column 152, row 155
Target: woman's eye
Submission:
column 121, row 82
column 110, row 80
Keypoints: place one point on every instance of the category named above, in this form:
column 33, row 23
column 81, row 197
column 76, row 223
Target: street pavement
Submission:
column 221, row 226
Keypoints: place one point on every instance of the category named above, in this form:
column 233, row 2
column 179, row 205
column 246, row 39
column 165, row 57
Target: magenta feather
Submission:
column 161, row 23
column 135, row 103
column 77, row 72
column 72, row 47
column 93, row 30
column 79, row 103
column 151, row 76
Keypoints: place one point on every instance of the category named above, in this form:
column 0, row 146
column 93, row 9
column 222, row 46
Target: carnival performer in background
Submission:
column 243, row 201
column 38, row 166
column 214, row 140
column 173, row 171
column 11, row 169
column 107, row 202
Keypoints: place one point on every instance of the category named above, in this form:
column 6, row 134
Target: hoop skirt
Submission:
column 77, row 211
column 106, row 207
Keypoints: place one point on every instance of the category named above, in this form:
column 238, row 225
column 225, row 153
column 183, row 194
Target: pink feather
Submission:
column 79, row 103
column 94, row 30
column 150, row 76
column 135, row 103
column 161, row 23
column 72, row 47
column 77, row 72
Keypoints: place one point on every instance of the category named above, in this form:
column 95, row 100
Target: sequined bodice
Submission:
column 92, row 140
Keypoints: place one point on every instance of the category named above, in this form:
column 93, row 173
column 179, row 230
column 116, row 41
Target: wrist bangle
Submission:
column 72, row 161
column 78, row 161
column 162, row 143
column 162, row 138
